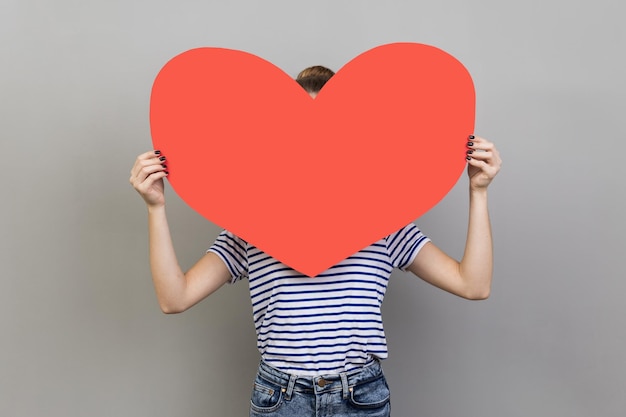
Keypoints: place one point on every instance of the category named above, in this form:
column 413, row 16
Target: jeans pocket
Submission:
column 266, row 396
column 370, row 394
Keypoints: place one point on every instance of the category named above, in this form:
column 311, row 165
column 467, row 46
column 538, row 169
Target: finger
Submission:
column 480, row 144
column 141, row 171
column 154, row 177
column 146, row 171
column 144, row 187
column 496, row 157
column 481, row 155
column 491, row 164
column 492, row 157
column 483, row 168
column 146, row 160
column 481, row 149
column 149, row 154
column 487, row 169
column 474, row 138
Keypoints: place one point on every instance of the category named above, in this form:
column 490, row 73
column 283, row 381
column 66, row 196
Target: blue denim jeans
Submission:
column 363, row 392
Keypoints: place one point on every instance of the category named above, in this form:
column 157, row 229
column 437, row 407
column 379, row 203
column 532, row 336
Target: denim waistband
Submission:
column 343, row 381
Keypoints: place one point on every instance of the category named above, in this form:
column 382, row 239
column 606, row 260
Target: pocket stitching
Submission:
column 377, row 404
column 266, row 390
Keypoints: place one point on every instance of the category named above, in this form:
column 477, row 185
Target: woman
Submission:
column 321, row 340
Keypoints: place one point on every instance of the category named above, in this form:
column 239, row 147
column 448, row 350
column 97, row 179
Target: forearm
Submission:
column 470, row 278
column 476, row 266
column 169, row 279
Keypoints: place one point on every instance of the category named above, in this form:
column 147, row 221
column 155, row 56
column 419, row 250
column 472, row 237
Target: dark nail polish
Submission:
column 471, row 136
column 162, row 158
column 468, row 157
column 157, row 152
column 470, row 143
column 164, row 166
column 469, row 152
column 166, row 172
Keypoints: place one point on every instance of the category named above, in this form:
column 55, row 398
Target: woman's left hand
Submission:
column 483, row 162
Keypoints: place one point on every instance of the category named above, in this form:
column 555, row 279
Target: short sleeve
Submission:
column 404, row 245
column 232, row 250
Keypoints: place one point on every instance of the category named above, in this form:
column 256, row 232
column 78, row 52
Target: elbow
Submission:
column 478, row 294
column 169, row 308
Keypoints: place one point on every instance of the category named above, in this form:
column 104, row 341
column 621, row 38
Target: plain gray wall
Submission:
column 81, row 332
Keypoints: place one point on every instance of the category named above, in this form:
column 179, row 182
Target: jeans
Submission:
column 362, row 392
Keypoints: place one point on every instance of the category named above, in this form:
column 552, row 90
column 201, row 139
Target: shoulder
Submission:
column 404, row 244
column 409, row 233
column 233, row 252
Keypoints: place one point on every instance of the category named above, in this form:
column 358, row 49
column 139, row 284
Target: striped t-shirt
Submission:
column 324, row 325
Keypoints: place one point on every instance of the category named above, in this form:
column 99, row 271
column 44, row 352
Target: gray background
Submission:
column 81, row 332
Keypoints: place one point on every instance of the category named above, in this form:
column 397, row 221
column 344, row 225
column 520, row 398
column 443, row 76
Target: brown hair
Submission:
column 315, row 71
column 312, row 79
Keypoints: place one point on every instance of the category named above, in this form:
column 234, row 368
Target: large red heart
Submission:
column 312, row 181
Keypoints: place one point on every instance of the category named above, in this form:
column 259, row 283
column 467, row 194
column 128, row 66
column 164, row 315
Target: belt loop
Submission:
column 290, row 385
column 344, row 384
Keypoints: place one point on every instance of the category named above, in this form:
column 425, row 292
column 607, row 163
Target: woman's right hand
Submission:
column 147, row 175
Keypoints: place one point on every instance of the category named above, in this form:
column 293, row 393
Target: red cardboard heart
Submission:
column 312, row 181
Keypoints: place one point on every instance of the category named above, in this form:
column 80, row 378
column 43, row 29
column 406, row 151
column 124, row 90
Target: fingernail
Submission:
column 166, row 172
column 157, row 152
column 162, row 158
column 471, row 136
column 468, row 157
column 469, row 152
column 164, row 166
column 470, row 143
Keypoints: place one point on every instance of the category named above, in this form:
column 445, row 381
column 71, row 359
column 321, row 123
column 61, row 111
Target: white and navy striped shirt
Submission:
column 328, row 324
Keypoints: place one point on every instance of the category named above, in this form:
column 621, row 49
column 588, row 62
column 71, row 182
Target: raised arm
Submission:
column 176, row 291
column 471, row 277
